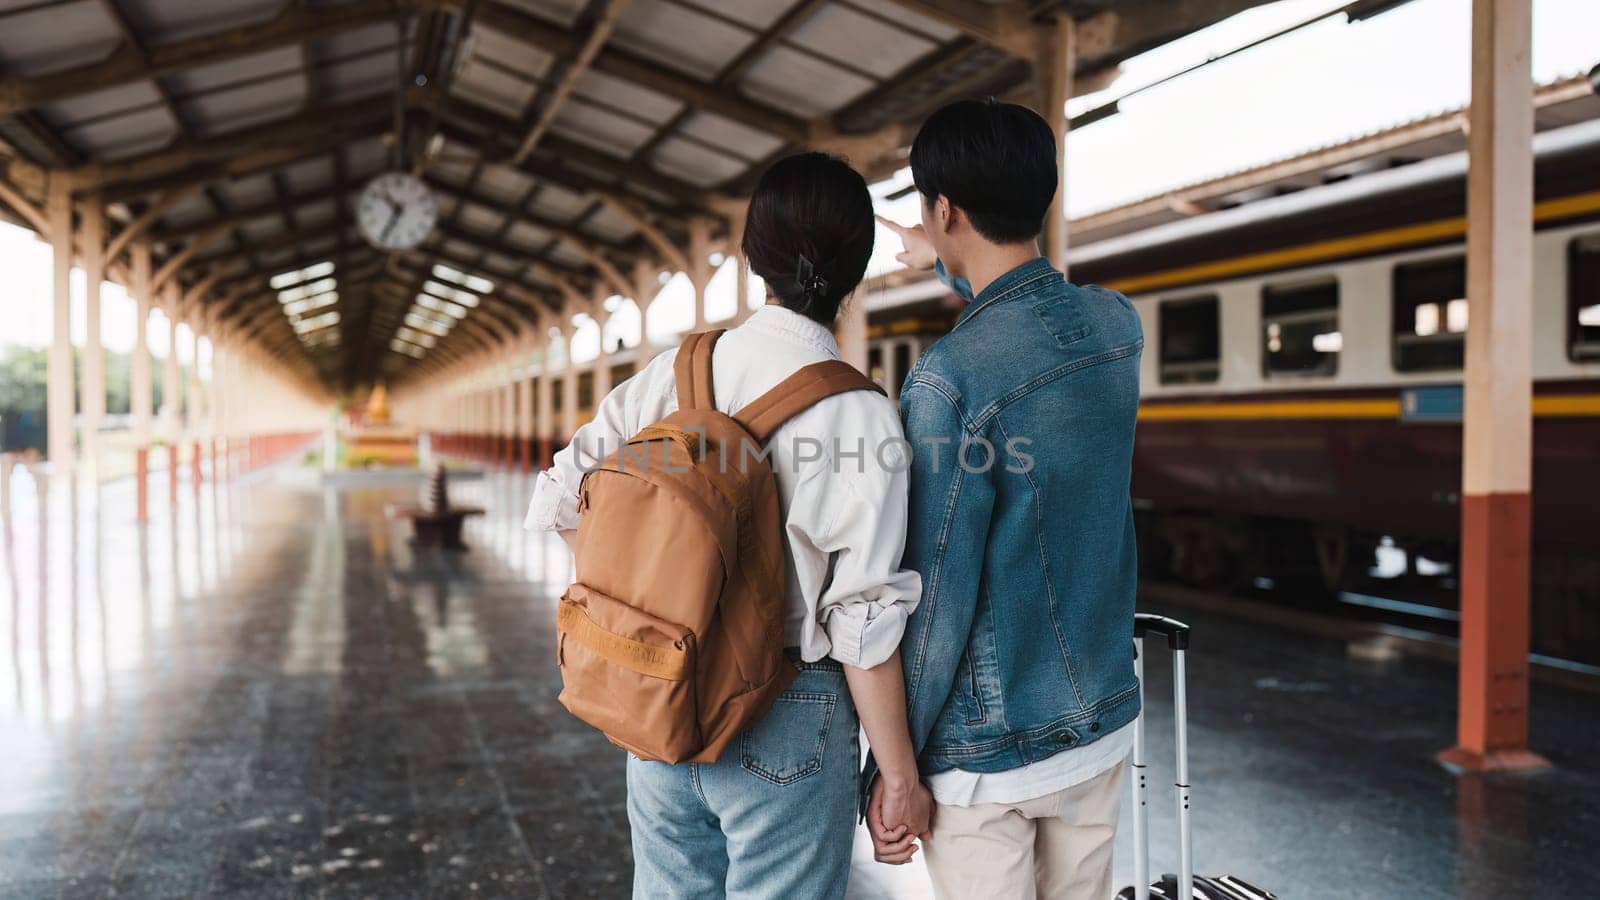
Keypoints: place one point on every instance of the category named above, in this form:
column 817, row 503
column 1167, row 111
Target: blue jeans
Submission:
column 774, row 817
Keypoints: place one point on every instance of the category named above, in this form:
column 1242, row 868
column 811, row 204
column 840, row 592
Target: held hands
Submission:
column 911, row 811
column 918, row 250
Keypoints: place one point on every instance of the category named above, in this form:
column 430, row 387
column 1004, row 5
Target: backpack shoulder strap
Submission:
column 799, row 392
column 692, row 370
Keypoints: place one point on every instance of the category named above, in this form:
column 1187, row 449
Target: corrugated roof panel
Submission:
column 454, row 163
column 757, row 14
column 107, row 104
column 601, row 130
column 358, row 40
column 562, row 12
column 314, row 214
column 57, row 37
column 490, row 45
column 251, row 190
column 615, row 92
column 558, row 203
column 245, row 106
column 164, row 21
column 680, row 38
column 503, row 265
column 493, row 90
column 479, row 218
column 609, row 224
column 861, row 40
column 462, row 249
column 566, row 255
column 366, row 157
column 263, row 228
column 195, row 207
column 693, row 163
column 898, row 14
column 527, row 236
column 280, row 61
column 310, row 174
column 125, row 136
column 504, row 182
column 804, row 85
column 364, row 77
column 736, row 137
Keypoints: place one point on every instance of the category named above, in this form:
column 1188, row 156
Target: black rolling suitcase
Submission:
column 1185, row 884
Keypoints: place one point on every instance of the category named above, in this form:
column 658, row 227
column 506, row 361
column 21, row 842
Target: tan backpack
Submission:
column 671, row 639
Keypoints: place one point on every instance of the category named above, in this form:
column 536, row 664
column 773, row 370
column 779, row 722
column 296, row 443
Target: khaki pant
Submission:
column 1057, row 847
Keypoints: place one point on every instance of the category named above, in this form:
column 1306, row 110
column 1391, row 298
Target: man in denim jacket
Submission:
column 1019, row 660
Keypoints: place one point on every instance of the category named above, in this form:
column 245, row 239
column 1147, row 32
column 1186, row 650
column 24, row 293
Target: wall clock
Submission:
column 396, row 211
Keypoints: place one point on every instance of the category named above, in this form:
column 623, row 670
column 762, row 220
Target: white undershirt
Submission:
column 1034, row 780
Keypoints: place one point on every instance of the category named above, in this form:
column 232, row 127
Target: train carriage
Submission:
column 1302, row 381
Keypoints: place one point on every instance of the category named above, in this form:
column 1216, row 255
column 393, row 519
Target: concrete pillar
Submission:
column 602, row 362
column 699, row 266
column 645, row 289
column 1054, row 73
column 1496, row 529
column 61, row 395
column 140, row 401
column 545, row 423
column 891, row 375
column 171, row 399
column 528, row 379
column 569, row 386
column 92, row 234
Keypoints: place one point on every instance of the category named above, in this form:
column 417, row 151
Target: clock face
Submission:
column 396, row 211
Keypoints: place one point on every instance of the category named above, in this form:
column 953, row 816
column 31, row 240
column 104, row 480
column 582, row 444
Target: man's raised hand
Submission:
column 917, row 251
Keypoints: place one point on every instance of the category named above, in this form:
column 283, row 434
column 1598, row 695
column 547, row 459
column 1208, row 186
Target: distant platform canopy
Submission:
column 560, row 142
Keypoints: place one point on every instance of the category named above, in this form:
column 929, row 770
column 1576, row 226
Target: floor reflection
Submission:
column 266, row 690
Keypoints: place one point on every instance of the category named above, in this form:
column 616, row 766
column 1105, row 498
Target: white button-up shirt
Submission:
column 841, row 468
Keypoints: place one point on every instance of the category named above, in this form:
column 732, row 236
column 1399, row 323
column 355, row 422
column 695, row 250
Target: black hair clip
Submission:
column 812, row 285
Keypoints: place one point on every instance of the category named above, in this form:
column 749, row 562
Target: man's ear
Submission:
column 945, row 213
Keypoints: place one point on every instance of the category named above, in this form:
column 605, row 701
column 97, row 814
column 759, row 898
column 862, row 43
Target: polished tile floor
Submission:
column 266, row 693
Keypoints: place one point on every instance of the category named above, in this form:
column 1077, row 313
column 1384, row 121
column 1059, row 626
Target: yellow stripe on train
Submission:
column 1550, row 406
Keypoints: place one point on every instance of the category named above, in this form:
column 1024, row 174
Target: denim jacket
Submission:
column 1023, row 644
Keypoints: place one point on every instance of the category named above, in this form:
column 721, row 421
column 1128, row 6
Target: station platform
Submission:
column 264, row 692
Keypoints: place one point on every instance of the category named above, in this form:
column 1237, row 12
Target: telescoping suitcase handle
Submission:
column 1177, row 635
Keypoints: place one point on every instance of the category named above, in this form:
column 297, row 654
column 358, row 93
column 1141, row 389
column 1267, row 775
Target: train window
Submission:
column 1191, row 340
column 1430, row 315
column 1300, row 330
column 557, row 394
column 1583, row 291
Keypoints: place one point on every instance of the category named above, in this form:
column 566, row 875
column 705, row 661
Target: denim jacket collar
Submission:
column 1005, row 287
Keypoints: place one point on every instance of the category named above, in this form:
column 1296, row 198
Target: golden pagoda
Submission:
column 374, row 440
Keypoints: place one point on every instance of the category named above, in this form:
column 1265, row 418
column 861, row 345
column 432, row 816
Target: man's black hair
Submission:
column 996, row 161
column 809, row 232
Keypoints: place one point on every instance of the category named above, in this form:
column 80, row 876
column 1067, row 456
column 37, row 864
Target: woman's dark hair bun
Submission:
column 809, row 232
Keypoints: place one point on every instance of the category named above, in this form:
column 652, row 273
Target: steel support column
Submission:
column 1496, row 533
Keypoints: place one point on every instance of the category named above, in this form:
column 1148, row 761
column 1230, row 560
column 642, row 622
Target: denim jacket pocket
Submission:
column 787, row 744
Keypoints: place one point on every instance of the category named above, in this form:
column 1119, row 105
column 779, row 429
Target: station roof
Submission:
column 564, row 140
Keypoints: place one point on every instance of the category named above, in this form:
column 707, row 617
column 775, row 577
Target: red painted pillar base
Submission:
column 141, row 475
column 1492, row 712
column 524, row 454
column 545, row 453
column 172, row 472
column 194, row 465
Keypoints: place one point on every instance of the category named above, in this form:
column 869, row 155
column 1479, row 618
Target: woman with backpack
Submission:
column 738, row 676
